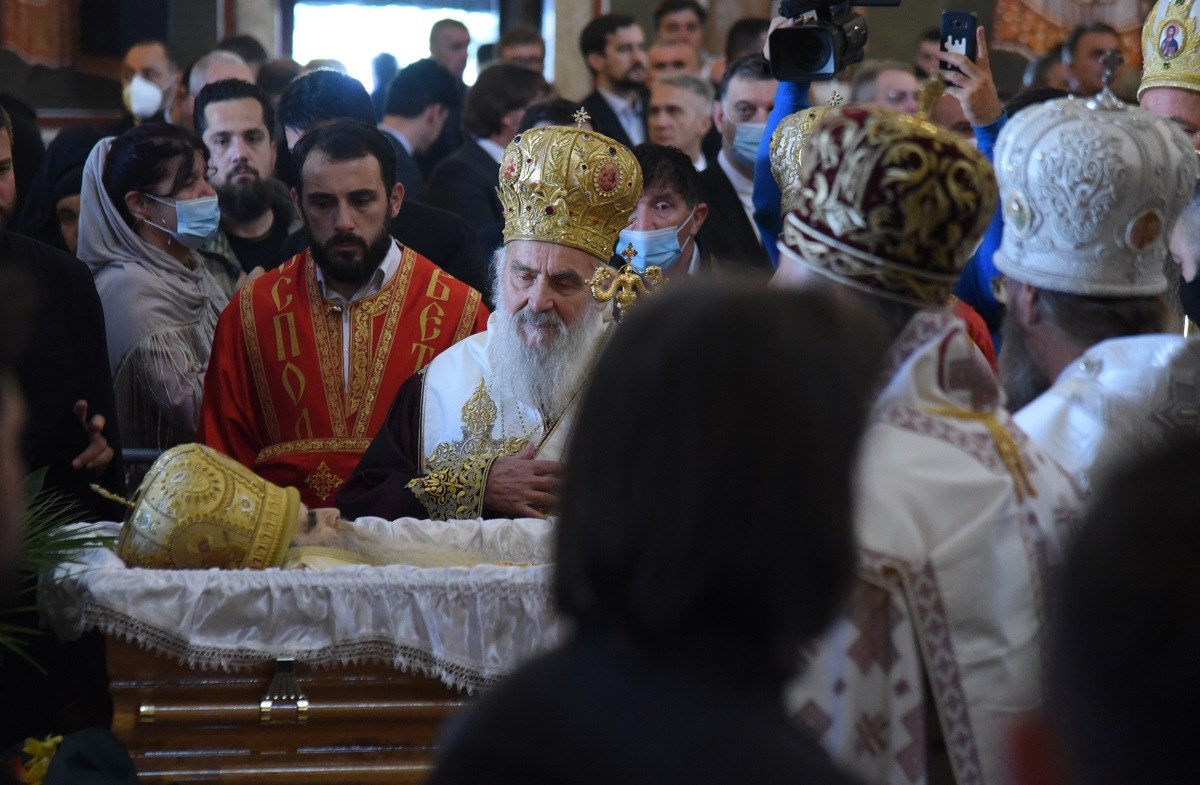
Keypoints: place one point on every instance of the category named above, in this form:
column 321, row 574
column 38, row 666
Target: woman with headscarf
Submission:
column 146, row 205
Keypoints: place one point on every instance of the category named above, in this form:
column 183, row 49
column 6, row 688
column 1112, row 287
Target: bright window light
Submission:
column 354, row 34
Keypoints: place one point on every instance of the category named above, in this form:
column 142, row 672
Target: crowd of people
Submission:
column 883, row 487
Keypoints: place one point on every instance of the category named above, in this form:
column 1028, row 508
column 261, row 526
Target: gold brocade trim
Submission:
column 254, row 355
column 323, row 481
column 329, row 349
column 1006, row 447
column 454, row 484
column 311, row 445
column 467, row 322
column 392, row 298
column 478, row 413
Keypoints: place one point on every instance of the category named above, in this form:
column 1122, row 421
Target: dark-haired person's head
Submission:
column 419, row 86
column 671, row 199
column 8, row 181
column 149, row 73
column 497, row 101
column 1081, row 54
column 925, row 61
column 680, row 20
column 746, row 37
column 347, row 193
column 275, row 76
column 66, row 200
column 234, row 118
column 150, row 167
column 247, row 47
column 320, row 96
column 556, row 111
column 419, row 101
column 740, row 112
column 383, row 67
column 1047, row 71
column 1122, row 682
column 669, row 537
column 614, row 50
column 523, row 46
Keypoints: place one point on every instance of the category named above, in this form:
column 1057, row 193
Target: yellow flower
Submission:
column 40, row 753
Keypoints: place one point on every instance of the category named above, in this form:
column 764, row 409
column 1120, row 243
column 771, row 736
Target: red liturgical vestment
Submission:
column 277, row 397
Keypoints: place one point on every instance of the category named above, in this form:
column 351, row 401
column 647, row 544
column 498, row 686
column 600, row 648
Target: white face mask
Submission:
column 142, row 97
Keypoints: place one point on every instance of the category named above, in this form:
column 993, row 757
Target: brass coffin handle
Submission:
column 284, row 689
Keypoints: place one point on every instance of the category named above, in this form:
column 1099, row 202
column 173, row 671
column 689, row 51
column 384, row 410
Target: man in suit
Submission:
column 740, row 113
column 614, row 49
column 449, row 42
column 681, row 115
column 465, row 182
column 319, row 98
column 419, row 100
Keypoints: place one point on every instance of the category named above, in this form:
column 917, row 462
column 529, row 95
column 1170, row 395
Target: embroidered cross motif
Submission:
column 323, row 481
column 872, row 617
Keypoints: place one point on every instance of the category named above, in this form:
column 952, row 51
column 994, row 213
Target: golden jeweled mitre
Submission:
column 1171, row 47
column 568, row 186
column 198, row 509
column 787, row 148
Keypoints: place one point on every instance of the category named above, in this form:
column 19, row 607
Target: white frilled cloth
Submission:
column 467, row 626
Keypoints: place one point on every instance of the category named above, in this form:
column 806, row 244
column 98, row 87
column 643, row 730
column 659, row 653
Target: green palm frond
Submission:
column 47, row 543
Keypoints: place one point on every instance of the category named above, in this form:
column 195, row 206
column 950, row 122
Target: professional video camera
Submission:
column 818, row 48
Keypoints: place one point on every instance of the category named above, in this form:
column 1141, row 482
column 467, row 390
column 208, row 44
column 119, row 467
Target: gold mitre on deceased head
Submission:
column 569, row 186
column 198, row 509
column 1171, row 47
column 787, row 148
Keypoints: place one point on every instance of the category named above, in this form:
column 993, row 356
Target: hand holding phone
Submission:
column 968, row 77
column 958, row 35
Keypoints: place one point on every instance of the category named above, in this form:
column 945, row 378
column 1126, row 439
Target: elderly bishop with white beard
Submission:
column 481, row 431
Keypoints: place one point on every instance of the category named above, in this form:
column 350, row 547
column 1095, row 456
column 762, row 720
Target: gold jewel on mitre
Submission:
column 1171, row 57
column 569, row 186
column 890, row 204
column 787, row 148
column 198, row 509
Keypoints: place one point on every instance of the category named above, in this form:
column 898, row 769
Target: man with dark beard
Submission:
column 236, row 121
column 1090, row 192
column 614, row 50
column 482, row 431
column 308, row 356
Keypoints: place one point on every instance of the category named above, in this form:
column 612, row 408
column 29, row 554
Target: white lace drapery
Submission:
column 467, row 626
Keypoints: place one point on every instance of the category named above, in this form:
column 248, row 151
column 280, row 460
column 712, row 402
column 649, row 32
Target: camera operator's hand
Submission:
column 776, row 23
column 974, row 87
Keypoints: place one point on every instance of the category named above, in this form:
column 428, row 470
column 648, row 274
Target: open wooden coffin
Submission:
column 341, row 675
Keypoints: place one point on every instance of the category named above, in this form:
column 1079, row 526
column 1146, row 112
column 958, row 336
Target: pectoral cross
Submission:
column 629, row 253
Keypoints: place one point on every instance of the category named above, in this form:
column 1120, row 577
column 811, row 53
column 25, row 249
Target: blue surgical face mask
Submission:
column 655, row 247
column 745, row 142
column 195, row 219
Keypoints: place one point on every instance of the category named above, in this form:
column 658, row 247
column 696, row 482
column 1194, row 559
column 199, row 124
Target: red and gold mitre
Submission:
column 198, row 509
column 889, row 203
column 569, row 186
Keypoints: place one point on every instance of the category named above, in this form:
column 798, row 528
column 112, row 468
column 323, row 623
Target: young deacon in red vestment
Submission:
column 308, row 357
